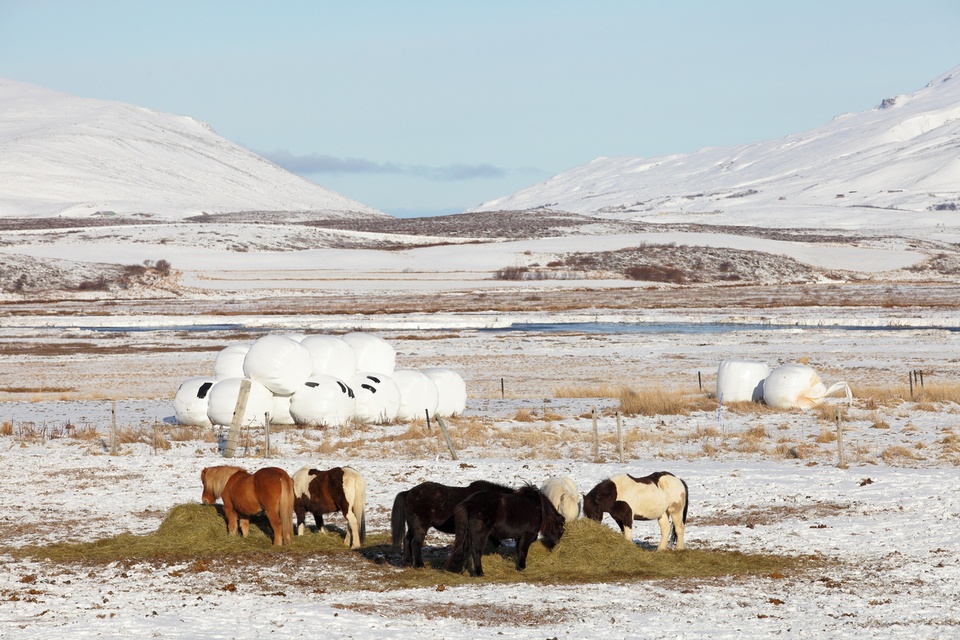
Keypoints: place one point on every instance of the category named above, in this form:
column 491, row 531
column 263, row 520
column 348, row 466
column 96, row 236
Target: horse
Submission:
column 426, row 505
column 562, row 493
column 660, row 496
column 340, row 489
column 521, row 515
column 247, row 494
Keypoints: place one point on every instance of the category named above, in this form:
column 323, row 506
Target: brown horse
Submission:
column 246, row 494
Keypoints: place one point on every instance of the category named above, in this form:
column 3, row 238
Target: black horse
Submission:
column 521, row 515
column 429, row 505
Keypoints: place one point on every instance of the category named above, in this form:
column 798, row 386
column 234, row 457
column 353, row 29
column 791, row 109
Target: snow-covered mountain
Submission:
column 897, row 163
column 65, row 155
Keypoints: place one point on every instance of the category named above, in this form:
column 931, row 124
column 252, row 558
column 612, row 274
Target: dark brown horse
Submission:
column 340, row 489
column 244, row 494
column 522, row 516
column 429, row 505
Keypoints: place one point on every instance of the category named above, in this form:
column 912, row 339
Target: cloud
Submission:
column 312, row 163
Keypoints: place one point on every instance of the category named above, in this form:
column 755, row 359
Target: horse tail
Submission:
column 359, row 504
column 462, row 542
column 398, row 519
column 285, row 509
column 686, row 503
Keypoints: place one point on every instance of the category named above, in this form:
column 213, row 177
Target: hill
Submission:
column 62, row 155
column 896, row 166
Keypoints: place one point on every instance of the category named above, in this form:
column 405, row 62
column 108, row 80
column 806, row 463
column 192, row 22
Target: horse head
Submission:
column 552, row 522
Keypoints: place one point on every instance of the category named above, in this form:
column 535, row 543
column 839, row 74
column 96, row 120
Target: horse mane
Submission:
column 486, row 485
column 215, row 478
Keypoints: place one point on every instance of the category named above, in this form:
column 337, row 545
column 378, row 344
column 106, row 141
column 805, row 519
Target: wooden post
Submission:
column 910, row 377
column 113, row 428
column 237, row 421
column 502, row 392
column 266, row 434
column 699, row 381
column 620, row 436
column 427, row 411
column 596, row 435
column 446, row 436
column 842, row 463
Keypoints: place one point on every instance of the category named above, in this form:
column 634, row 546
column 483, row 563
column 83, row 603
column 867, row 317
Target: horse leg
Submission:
column 244, row 526
column 664, row 522
column 353, row 530
column 523, row 546
column 277, row 527
column 301, row 512
column 476, row 542
column 407, row 557
column 231, row 516
column 622, row 514
column 417, row 535
column 318, row 520
column 677, row 519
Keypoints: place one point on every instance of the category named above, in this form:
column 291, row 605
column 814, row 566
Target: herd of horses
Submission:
column 478, row 514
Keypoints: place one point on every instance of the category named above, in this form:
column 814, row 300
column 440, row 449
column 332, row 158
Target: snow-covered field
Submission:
column 888, row 521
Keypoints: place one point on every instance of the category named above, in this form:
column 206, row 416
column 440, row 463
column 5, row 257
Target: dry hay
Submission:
column 589, row 552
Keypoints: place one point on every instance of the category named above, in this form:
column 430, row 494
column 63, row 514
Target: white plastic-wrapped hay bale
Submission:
column 378, row 397
column 741, row 381
column 418, row 394
column 281, row 411
column 223, row 400
column 332, row 356
column 229, row 362
column 373, row 352
column 278, row 363
column 191, row 401
column 452, row 390
column 323, row 400
column 791, row 386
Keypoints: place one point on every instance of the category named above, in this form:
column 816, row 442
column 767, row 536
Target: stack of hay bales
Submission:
column 317, row 380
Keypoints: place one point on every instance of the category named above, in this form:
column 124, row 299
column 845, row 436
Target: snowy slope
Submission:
column 899, row 162
column 64, row 155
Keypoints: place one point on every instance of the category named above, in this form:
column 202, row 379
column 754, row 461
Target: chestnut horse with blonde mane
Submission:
column 245, row 494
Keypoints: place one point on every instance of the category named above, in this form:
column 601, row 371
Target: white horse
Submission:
column 660, row 496
column 562, row 492
column 340, row 489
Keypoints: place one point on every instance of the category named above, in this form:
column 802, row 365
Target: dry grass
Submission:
column 656, row 401
column 596, row 391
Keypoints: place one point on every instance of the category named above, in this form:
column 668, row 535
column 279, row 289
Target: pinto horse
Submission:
column 521, row 515
column 562, row 493
column 340, row 489
column 426, row 505
column 659, row 496
column 246, row 494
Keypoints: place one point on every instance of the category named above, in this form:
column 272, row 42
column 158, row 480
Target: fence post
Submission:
column 113, row 428
column 620, row 437
column 266, row 434
column 446, row 436
column 502, row 392
column 842, row 463
column 596, row 435
column 910, row 377
column 237, row 421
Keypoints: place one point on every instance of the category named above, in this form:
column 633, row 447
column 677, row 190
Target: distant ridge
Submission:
column 900, row 159
column 71, row 156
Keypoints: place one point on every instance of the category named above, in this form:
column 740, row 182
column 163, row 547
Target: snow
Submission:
column 64, row 155
column 888, row 525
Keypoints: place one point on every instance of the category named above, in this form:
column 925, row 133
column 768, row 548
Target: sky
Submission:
column 430, row 107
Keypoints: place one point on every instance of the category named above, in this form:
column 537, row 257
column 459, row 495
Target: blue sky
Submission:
column 433, row 107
